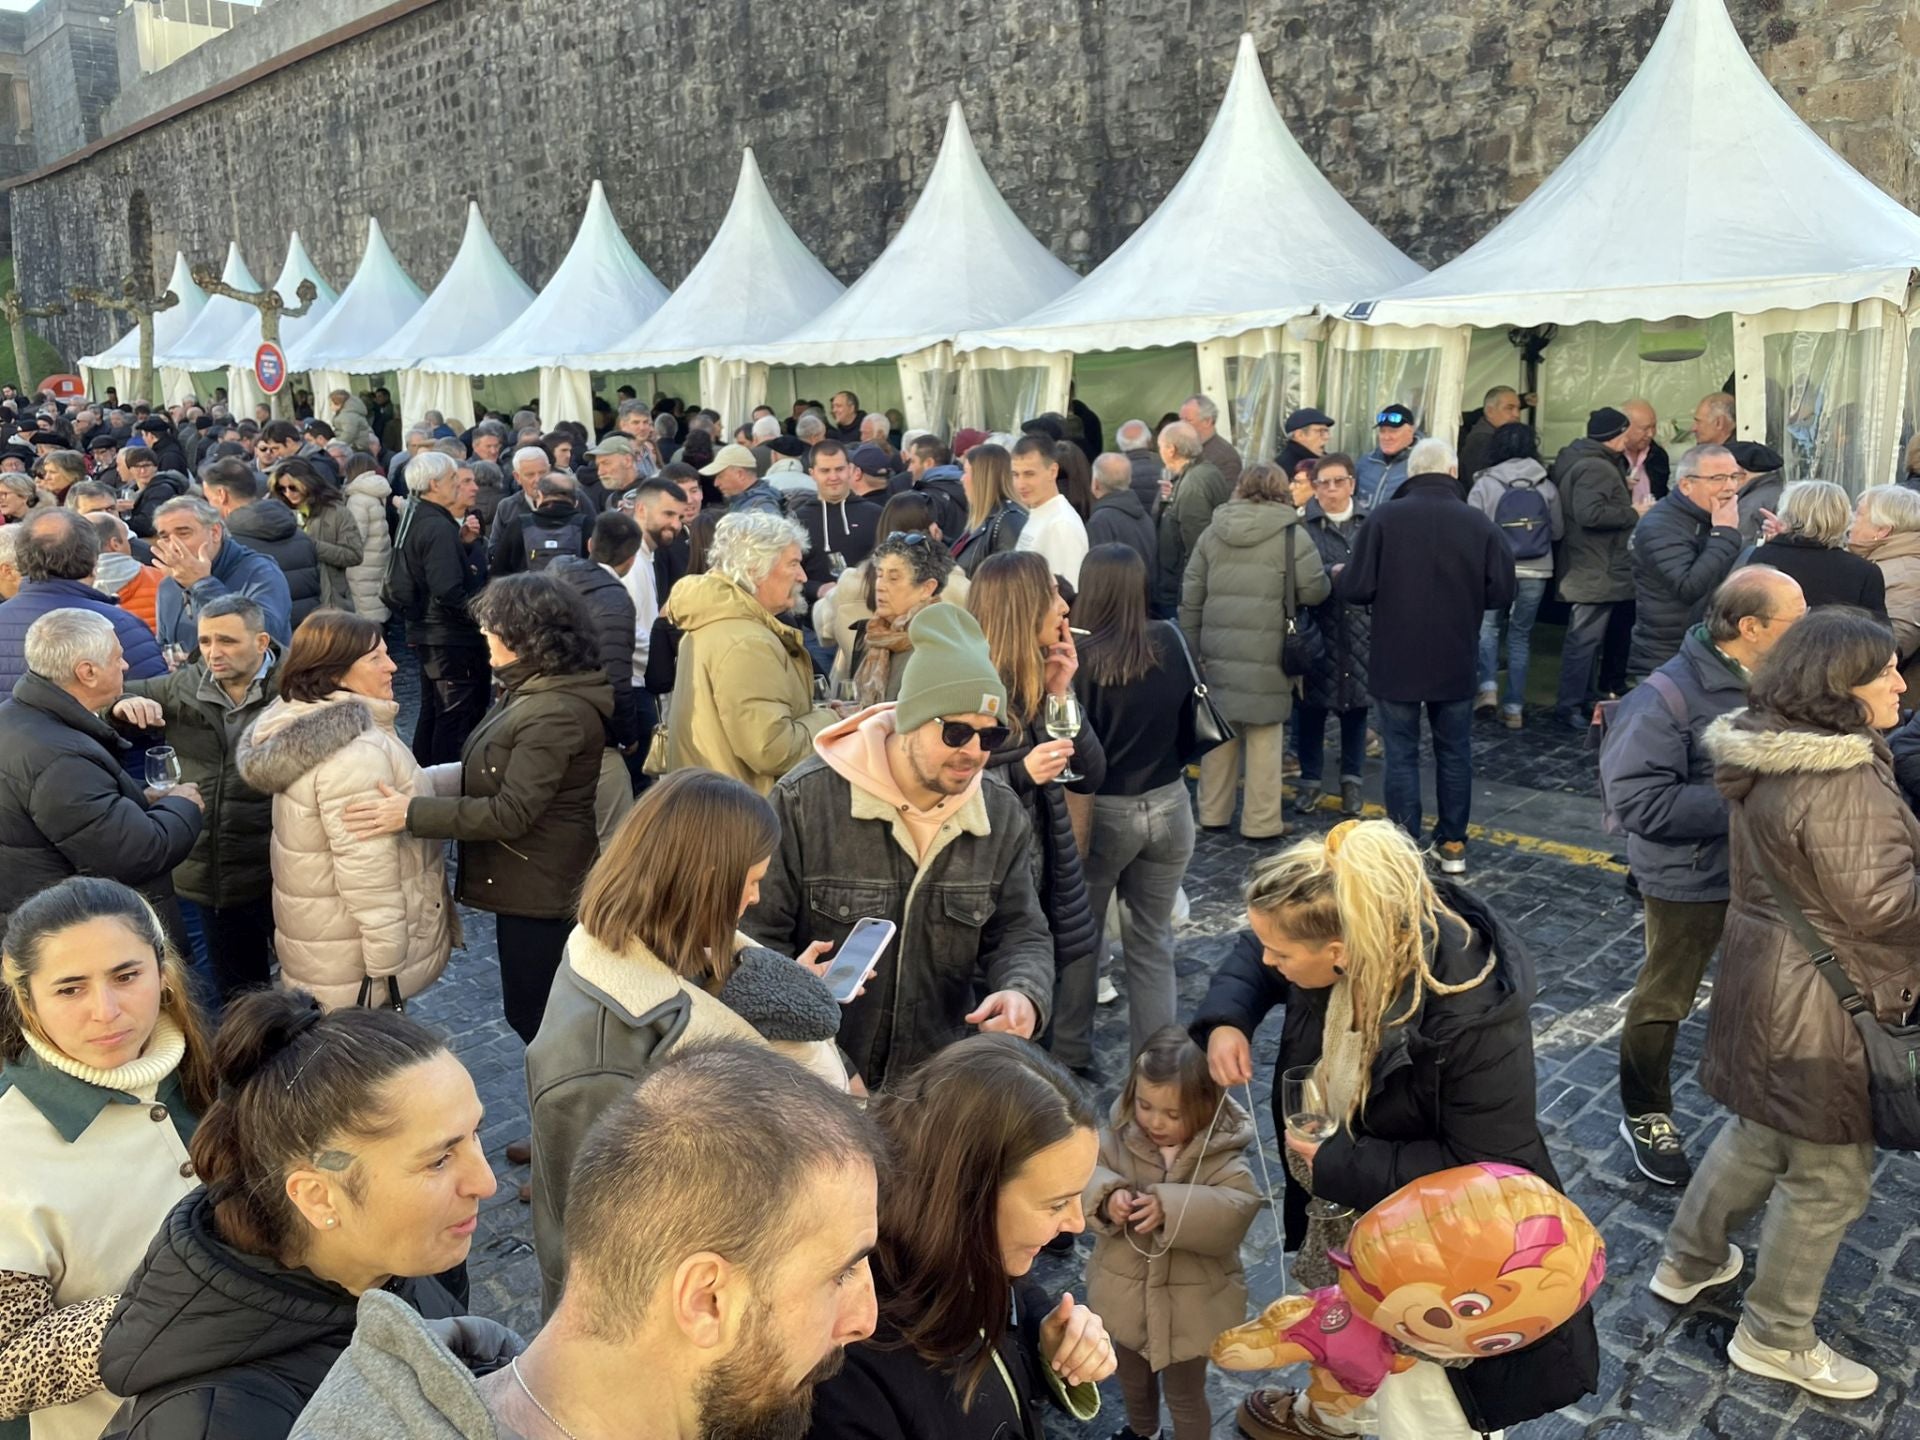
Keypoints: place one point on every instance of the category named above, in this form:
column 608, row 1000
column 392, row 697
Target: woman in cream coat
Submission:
column 346, row 911
column 368, row 495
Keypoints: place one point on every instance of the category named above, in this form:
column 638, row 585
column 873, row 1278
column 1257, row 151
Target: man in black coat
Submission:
column 1500, row 407
column 1136, row 442
column 1682, row 549
column 1431, row 566
column 1308, row 432
column 837, row 522
column 1117, row 516
column 267, row 527
column 438, row 566
column 66, row 805
column 613, row 549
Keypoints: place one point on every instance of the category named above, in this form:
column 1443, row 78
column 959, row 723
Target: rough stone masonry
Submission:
column 1434, row 117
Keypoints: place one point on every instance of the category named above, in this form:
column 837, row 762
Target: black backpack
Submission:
column 398, row 590
column 545, row 544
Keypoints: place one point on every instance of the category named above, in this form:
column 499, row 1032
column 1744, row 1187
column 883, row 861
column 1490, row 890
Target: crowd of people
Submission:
column 703, row 714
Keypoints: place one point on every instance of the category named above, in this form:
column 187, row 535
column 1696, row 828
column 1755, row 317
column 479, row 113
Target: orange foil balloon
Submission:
column 1472, row 1262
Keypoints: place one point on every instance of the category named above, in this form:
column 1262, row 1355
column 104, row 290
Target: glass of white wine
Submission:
column 1309, row 1116
column 1062, row 720
column 163, row 768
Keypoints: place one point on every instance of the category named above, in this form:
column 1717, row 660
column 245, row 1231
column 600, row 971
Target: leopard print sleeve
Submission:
column 47, row 1356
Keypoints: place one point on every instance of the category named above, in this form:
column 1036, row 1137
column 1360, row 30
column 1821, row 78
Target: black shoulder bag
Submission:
column 1202, row 726
column 1893, row 1051
column 1303, row 646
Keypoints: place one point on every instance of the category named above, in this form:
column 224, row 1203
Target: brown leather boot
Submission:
column 519, row 1152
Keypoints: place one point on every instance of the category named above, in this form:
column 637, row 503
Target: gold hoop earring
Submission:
column 166, row 994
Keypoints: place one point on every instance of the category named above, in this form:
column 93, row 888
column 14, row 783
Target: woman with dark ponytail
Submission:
column 104, row 1071
column 342, row 1156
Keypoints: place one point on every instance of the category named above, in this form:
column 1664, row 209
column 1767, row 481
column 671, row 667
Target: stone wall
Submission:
column 1434, row 116
column 74, row 62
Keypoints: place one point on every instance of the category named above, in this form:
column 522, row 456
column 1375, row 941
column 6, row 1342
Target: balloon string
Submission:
column 1192, row 1185
column 1266, row 1184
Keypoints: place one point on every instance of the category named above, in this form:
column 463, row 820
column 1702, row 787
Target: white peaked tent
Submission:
column 1252, row 237
column 243, row 391
column 757, row 281
column 961, row 261
column 1701, row 202
column 122, row 358
column 202, row 345
column 478, row 298
column 601, row 291
column 379, row 299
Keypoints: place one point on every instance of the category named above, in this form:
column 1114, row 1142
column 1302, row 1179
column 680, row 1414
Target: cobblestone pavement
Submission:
column 1663, row 1372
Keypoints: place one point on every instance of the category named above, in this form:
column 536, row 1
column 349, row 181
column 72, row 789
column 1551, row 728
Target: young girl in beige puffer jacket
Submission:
column 1170, row 1201
column 347, row 911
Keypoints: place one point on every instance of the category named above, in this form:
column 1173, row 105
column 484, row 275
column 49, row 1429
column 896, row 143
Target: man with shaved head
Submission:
column 1657, row 779
column 1648, row 467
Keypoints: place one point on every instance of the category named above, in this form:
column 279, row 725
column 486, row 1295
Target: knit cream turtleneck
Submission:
column 166, row 1048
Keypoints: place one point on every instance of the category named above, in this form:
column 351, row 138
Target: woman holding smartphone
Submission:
column 656, row 961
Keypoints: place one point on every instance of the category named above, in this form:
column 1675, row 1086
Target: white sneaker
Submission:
column 1667, row 1284
column 1821, row 1370
column 1106, row 994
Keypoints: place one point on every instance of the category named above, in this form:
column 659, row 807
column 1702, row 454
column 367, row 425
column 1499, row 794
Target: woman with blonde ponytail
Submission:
column 1410, row 998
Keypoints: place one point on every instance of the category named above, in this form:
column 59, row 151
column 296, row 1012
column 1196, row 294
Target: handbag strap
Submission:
column 1289, row 599
column 1818, row 951
column 1193, row 670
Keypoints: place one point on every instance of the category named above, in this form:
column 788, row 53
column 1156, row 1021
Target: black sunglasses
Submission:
column 955, row 734
column 910, row 537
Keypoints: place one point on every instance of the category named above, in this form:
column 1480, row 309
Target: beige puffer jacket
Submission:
column 345, row 909
column 367, row 497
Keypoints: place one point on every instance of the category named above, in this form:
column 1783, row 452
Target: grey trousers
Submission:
column 1139, row 846
column 1811, row 1193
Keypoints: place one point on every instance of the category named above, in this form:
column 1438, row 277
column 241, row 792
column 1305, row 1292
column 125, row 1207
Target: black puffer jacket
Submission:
column 614, row 619
column 436, row 572
column 1338, row 680
column 999, row 535
column 1058, row 877
column 1679, row 559
column 215, row 1344
column 1453, row 1087
column 269, row 528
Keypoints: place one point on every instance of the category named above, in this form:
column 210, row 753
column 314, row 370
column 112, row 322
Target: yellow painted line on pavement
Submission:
column 1512, row 840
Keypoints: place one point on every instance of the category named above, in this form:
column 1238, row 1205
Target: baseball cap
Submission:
column 731, row 457
column 870, row 460
column 1301, row 419
column 615, row 444
column 1395, row 414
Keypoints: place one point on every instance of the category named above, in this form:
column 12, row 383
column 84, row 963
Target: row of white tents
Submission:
column 1700, row 230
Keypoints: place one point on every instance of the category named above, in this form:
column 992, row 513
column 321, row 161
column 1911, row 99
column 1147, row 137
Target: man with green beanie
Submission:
column 894, row 817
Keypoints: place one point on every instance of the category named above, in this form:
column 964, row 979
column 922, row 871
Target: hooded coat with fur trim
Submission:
column 1824, row 811
column 346, row 909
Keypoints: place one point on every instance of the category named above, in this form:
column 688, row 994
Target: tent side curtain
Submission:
column 566, row 394
column 1257, row 378
column 733, row 387
column 1001, row 388
column 1910, row 423
column 451, row 395
column 1606, row 363
column 1367, row 366
column 929, row 388
column 1829, row 398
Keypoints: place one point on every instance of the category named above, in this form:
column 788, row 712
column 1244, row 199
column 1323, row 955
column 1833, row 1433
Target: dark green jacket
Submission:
column 228, row 864
column 524, row 814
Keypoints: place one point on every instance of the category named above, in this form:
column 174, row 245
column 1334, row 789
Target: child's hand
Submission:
column 1147, row 1215
column 1120, row 1205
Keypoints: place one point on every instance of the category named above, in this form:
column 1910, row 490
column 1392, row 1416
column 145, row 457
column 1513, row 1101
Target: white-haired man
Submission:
column 1204, row 416
column 67, row 807
column 1431, row 566
column 743, row 687
column 438, row 567
column 1135, row 439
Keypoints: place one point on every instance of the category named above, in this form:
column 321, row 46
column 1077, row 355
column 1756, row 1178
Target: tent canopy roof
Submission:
column 478, row 297
column 380, row 299
column 1252, row 235
column 962, row 261
column 199, row 346
column 756, row 282
column 168, row 326
column 601, row 291
column 1640, row 221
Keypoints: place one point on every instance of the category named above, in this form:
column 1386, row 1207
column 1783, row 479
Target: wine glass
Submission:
column 836, row 564
column 822, row 690
column 163, row 767
column 1309, row 1117
column 846, row 692
column 1063, row 723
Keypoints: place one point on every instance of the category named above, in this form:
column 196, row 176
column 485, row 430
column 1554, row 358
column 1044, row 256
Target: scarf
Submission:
column 1341, row 1072
column 886, row 638
column 166, row 1048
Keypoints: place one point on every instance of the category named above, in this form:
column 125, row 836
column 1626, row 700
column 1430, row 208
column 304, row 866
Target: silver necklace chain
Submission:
column 521, row 1381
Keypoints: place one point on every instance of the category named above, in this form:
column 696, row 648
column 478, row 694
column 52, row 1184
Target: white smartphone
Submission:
column 853, row 962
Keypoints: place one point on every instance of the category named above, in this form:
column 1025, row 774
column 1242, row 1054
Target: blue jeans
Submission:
column 1310, row 735
column 1519, row 616
column 1452, row 724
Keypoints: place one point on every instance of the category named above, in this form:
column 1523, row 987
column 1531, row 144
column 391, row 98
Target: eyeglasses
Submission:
column 910, row 537
column 955, row 735
column 1327, row 482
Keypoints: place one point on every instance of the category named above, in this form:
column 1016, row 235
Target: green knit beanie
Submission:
column 949, row 671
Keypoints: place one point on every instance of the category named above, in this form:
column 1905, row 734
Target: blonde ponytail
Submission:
column 1365, row 885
